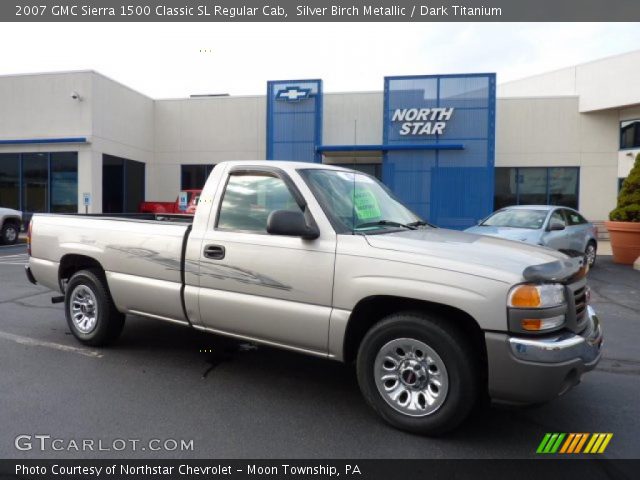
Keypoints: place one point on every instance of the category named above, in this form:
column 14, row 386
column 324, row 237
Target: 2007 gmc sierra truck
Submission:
column 326, row 261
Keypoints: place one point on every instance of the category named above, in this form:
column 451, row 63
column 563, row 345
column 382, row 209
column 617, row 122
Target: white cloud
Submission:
column 164, row 59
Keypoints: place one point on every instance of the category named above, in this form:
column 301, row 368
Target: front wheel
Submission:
column 418, row 373
column 9, row 234
column 91, row 314
column 590, row 253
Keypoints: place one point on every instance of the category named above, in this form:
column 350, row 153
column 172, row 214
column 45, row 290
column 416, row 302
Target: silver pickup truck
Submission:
column 326, row 261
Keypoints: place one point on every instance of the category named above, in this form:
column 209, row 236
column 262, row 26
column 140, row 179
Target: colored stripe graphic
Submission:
column 573, row 443
column 581, row 442
column 543, row 443
column 567, row 443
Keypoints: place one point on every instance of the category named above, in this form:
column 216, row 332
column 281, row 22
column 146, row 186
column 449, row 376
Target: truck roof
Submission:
column 285, row 164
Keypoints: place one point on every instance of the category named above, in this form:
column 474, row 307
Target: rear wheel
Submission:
column 91, row 314
column 418, row 373
column 9, row 233
column 590, row 253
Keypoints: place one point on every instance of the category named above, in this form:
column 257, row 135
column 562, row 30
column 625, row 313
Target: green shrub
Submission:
column 628, row 209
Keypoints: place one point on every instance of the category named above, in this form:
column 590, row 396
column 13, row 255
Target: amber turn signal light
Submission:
column 525, row 296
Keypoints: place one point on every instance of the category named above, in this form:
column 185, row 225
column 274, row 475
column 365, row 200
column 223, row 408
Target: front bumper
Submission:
column 533, row 370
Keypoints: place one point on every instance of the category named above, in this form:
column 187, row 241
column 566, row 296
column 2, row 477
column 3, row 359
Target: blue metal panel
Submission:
column 452, row 188
column 37, row 141
column 294, row 120
column 386, row 148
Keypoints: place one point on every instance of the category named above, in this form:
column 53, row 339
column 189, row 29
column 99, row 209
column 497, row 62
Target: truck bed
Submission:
column 138, row 252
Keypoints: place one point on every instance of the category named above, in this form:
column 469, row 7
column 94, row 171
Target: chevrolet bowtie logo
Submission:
column 293, row 94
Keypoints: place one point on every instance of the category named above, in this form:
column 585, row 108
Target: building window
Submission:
column 536, row 186
column 193, row 177
column 123, row 183
column 64, row 182
column 35, row 182
column 620, row 182
column 630, row 134
column 39, row 182
column 10, row 180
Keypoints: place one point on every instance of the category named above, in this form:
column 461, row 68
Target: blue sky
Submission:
column 179, row 59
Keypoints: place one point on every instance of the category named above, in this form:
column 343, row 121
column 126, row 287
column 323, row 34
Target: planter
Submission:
column 625, row 241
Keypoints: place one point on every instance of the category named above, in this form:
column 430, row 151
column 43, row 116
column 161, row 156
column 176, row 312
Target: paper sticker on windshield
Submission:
column 366, row 204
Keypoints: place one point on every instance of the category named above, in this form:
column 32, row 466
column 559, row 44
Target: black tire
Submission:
column 591, row 244
column 108, row 321
column 454, row 351
column 9, row 233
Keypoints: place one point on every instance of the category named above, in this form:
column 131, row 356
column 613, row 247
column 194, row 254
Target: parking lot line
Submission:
column 56, row 346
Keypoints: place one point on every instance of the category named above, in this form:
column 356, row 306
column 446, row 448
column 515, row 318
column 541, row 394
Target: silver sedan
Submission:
column 561, row 228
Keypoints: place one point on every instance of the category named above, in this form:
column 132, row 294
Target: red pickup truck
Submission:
column 173, row 207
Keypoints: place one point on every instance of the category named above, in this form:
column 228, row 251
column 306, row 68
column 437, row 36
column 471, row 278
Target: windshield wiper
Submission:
column 389, row 223
column 420, row 223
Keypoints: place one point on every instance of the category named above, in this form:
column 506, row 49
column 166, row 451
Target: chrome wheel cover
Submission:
column 590, row 253
column 10, row 234
column 411, row 377
column 83, row 308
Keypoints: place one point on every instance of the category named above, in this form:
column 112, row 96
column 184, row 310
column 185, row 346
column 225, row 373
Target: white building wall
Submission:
column 611, row 82
column 123, row 120
column 40, row 105
column 204, row 131
column 542, row 132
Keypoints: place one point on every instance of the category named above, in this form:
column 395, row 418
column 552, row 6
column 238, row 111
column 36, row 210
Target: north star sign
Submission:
column 422, row 121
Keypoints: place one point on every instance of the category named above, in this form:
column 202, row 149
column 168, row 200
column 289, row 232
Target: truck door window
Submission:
column 250, row 198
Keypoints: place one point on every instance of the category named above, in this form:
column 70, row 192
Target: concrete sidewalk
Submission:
column 604, row 247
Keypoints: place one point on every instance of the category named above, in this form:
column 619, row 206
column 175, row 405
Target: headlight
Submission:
column 536, row 296
column 537, row 308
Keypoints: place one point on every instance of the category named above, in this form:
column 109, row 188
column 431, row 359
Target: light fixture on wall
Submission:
column 76, row 96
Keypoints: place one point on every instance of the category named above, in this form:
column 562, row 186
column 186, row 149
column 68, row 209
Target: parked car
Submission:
column 560, row 228
column 173, row 207
column 325, row 261
column 10, row 225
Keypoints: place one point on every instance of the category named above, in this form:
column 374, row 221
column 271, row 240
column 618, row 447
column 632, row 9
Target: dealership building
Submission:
column 452, row 147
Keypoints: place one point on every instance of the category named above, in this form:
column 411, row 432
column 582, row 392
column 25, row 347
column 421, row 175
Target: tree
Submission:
column 628, row 209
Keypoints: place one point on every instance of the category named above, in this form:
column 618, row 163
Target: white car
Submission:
column 10, row 224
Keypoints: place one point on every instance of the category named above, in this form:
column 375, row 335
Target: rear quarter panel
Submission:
column 141, row 259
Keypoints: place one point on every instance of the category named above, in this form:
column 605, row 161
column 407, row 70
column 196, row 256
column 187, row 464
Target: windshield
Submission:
column 355, row 202
column 516, row 218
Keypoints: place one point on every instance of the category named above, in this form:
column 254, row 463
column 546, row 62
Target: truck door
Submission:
column 268, row 287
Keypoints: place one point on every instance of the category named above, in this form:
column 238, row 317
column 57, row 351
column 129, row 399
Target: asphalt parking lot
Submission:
column 158, row 383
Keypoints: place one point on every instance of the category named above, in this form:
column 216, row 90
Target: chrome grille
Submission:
column 580, row 300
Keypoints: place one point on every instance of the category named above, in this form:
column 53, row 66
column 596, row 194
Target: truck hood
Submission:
column 10, row 212
column 453, row 250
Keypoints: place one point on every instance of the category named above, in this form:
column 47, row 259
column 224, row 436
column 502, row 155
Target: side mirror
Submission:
column 292, row 224
column 556, row 226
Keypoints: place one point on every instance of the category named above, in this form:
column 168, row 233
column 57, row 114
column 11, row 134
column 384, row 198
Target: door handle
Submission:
column 214, row 252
